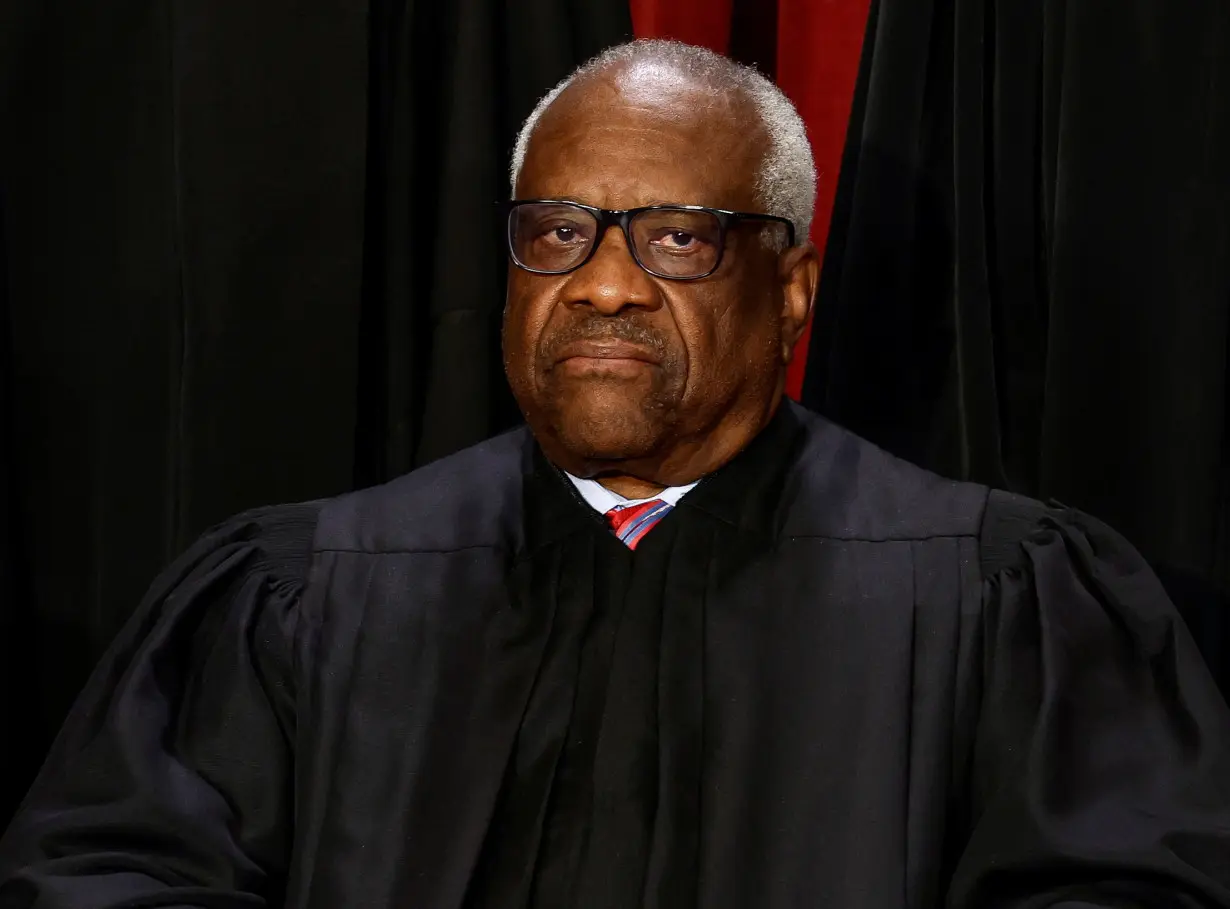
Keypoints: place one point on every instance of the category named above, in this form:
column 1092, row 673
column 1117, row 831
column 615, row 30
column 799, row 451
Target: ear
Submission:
column 799, row 273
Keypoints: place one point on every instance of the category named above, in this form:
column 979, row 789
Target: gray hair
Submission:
column 786, row 181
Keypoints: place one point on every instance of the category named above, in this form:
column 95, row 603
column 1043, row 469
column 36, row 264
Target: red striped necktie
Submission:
column 632, row 522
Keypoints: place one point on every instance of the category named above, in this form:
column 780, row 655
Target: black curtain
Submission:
column 12, row 710
column 1027, row 279
column 250, row 255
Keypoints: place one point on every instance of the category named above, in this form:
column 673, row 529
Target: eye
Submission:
column 678, row 240
column 674, row 239
column 672, row 233
column 562, row 233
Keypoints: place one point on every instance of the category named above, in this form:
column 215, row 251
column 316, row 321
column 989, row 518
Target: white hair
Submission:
column 786, row 182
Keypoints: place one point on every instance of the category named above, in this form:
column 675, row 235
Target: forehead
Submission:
column 626, row 140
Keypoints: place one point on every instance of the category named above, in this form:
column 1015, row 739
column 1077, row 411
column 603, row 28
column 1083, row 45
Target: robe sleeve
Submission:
column 1101, row 766
column 170, row 783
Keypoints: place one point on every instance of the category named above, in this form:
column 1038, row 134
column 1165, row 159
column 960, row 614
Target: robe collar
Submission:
column 746, row 493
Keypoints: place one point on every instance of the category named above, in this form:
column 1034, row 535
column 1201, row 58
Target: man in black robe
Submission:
column 678, row 643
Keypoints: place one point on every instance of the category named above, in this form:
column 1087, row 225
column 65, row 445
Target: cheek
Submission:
column 756, row 318
column 729, row 337
column 525, row 314
column 707, row 334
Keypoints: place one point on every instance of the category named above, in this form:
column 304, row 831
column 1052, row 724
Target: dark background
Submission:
column 248, row 254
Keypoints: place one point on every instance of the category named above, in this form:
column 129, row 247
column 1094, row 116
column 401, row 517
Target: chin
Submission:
column 609, row 428
column 592, row 438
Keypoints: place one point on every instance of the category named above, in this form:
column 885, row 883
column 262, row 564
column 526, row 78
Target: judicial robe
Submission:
column 826, row 678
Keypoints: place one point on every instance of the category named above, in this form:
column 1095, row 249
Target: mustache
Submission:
column 600, row 328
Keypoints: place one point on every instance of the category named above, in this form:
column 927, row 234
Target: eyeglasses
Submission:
column 679, row 242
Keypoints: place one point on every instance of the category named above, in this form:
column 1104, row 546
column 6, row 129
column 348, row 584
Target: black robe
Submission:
column 827, row 678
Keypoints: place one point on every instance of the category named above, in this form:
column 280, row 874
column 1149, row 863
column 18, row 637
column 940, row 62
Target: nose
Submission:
column 611, row 281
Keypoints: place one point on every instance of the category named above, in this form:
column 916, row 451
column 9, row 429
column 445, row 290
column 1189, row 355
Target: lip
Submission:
column 606, row 350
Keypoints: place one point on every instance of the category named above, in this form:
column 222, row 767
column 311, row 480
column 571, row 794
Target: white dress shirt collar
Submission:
column 603, row 500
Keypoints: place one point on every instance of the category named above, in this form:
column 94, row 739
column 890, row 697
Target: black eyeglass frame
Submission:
column 622, row 217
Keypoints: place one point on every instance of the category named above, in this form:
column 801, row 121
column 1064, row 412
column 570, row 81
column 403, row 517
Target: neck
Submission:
column 630, row 487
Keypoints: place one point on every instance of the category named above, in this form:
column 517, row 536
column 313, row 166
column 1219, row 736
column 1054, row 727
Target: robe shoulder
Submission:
column 468, row 500
column 1103, row 745
column 1073, row 572
column 845, row 487
column 197, row 690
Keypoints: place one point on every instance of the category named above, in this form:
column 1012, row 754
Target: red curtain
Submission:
column 815, row 63
column 818, row 47
column 702, row 22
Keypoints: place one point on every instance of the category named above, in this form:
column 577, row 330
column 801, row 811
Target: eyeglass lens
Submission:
column 555, row 237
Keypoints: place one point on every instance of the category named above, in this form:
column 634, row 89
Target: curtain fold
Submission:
column 93, row 339
column 15, row 710
column 1027, row 280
